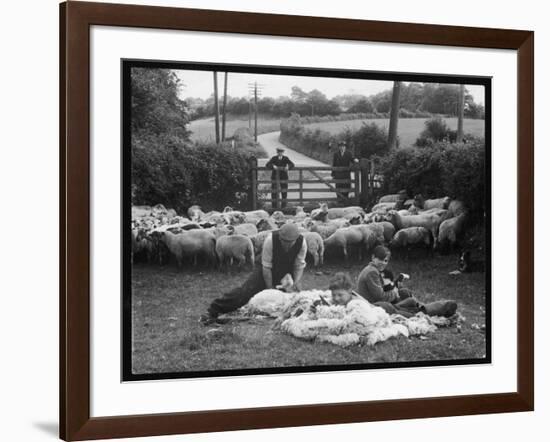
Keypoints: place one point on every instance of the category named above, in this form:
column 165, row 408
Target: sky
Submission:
column 199, row 84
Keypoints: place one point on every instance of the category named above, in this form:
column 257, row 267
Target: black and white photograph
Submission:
column 283, row 219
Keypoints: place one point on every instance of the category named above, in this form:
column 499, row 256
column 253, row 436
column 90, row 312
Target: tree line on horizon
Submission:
column 421, row 98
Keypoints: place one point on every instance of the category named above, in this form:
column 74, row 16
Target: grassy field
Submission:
column 205, row 129
column 408, row 128
column 167, row 337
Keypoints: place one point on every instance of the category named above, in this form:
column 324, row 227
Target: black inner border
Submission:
column 126, row 299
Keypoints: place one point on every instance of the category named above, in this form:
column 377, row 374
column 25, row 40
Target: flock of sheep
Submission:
column 231, row 236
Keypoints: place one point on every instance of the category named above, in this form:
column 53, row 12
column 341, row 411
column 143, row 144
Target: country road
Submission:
column 270, row 143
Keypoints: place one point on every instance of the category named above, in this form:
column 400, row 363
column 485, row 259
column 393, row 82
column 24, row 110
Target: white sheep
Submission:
column 258, row 241
column 344, row 238
column 254, row 216
column 325, row 229
column 373, row 235
column 238, row 247
column 190, row 243
column 411, row 236
column 246, row 229
column 345, row 212
column 430, row 221
column 195, row 213
column 278, row 218
column 323, row 213
column 300, row 215
column 234, row 217
column 435, row 203
column 389, row 230
column 392, row 198
column 450, row 230
column 382, row 207
column 315, row 247
column 456, row 207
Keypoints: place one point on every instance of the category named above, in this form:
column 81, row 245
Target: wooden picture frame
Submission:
column 75, row 21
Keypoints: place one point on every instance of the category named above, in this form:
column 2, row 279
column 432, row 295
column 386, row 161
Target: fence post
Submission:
column 372, row 180
column 356, row 185
column 278, row 189
column 364, row 165
column 253, row 183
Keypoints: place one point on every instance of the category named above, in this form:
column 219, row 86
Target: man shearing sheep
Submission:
column 284, row 252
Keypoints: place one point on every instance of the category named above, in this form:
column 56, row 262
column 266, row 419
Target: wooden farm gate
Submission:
column 313, row 184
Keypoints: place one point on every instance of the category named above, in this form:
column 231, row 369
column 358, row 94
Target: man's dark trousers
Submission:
column 239, row 296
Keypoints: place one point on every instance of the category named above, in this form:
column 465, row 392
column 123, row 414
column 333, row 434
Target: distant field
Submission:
column 205, row 129
column 408, row 129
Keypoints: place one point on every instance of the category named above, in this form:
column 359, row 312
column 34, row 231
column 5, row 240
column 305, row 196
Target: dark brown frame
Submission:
column 75, row 21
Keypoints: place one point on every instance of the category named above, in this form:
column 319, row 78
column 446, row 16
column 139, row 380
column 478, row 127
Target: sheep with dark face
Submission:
column 266, row 225
column 456, row 208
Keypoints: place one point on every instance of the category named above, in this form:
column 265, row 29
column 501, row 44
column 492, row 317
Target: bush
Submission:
column 436, row 130
column 176, row 174
column 369, row 140
column 440, row 169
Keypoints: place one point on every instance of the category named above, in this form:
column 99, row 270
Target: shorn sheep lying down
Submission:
column 309, row 315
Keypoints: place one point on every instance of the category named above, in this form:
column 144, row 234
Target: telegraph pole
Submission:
column 256, row 113
column 216, row 107
column 254, row 89
column 224, row 105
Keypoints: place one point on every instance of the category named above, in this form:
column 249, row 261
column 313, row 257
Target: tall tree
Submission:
column 156, row 106
column 460, row 111
column 394, row 115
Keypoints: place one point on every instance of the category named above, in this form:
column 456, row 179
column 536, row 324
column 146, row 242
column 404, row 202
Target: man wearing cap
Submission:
column 280, row 164
column 284, row 252
column 342, row 158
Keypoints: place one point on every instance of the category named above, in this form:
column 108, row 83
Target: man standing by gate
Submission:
column 342, row 158
column 279, row 164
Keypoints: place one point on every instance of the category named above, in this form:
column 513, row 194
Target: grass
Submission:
column 205, row 129
column 408, row 129
column 167, row 337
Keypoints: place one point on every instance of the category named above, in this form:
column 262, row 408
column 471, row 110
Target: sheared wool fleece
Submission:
column 305, row 315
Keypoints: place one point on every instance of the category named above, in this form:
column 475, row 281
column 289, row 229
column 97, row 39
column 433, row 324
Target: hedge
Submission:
column 178, row 175
column 440, row 169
